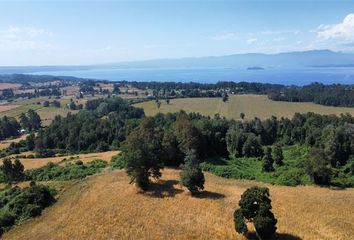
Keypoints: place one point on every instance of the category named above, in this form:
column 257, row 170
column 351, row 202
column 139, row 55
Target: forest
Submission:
column 107, row 124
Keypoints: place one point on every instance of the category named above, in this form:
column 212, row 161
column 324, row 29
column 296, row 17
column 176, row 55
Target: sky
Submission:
column 88, row 32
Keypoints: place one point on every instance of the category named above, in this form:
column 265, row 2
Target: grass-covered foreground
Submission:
column 105, row 206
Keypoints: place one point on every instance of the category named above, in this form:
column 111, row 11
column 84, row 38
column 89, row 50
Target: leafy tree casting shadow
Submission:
column 278, row 236
column 163, row 188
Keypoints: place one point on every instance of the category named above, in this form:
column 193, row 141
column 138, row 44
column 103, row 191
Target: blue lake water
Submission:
column 301, row 76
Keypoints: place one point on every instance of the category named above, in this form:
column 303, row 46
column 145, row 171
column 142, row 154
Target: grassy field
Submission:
column 30, row 163
column 6, row 143
column 252, row 105
column 47, row 114
column 105, row 206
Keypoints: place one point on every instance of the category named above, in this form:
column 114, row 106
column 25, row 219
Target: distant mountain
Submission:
column 313, row 58
column 279, row 60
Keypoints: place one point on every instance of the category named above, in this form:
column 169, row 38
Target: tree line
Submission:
column 330, row 95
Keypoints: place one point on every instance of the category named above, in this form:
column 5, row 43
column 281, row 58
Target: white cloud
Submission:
column 16, row 38
column 342, row 31
column 226, row 36
column 252, row 40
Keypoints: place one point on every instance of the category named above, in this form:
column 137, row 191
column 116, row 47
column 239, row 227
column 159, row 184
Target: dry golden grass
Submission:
column 252, row 105
column 7, row 107
column 9, row 85
column 30, row 163
column 6, row 143
column 105, row 206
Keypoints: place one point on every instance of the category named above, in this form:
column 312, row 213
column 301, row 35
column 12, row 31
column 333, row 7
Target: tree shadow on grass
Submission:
column 210, row 195
column 277, row 236
column 163, row 188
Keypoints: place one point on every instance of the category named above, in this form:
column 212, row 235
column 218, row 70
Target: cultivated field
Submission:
column 252, row 105
column 105, row 206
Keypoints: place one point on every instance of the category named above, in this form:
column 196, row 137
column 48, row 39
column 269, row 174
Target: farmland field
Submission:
column 252, row 105
column 47, row 114
column 105, row 206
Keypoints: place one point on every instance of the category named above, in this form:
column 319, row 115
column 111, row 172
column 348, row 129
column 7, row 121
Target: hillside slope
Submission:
column 105, row 206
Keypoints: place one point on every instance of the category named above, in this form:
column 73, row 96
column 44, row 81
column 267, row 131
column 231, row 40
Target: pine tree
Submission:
column 268, row 160
column 192, row 176
column 278, row 155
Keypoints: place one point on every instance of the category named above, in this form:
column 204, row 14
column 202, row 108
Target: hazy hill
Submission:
column 324, row 58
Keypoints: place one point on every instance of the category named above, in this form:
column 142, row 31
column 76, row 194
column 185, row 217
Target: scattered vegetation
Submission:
column 70, row 171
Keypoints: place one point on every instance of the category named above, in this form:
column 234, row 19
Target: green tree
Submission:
column 187, row 134
column 318, row 167
column 34, row 120
column 235, row 139
column 225, row 97
column 192, row 176
column 30, row 142
column 268, row 160
column 242, row 115
column 255, row 206
column 142, row 153
column 252, row 146
column 12, row 172
column 278, row 155
column 24, row 121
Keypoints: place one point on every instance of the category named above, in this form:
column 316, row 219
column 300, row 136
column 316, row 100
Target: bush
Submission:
column 20, row 204
column 70, row 171
column 118, row 161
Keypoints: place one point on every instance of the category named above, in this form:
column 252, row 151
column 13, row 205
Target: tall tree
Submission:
column 34, row 120
column 142, row 153
column 192, row 176
column 278, row 155
column 268, row 160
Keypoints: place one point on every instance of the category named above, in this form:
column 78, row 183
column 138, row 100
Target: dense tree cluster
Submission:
column 331, row 95
column 105, row 123
column 9, row 127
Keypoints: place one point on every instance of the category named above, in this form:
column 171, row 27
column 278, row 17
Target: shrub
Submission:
column 118, row 161
column 20, row 204
column 70, row 171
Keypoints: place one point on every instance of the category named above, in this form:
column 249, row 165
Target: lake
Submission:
column 301, row 76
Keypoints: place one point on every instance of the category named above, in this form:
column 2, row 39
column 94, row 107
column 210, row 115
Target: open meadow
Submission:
column 251, row 105
column 105, row 206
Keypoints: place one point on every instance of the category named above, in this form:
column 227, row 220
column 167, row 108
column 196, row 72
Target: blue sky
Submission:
column 66, row 32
